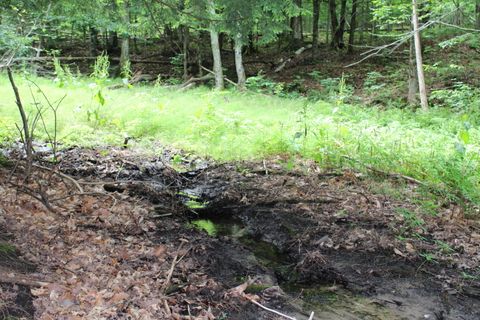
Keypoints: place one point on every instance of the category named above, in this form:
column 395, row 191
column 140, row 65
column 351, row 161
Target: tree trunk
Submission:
column 125, row 52
column 186, row 39
column 93, row 41
column 341, row 26
column 239, row 62
column 477, row 11
column 332, row 9
column 251, row 44
column 217, row 58
column 297, row 27
column 353, row 26
column 327, row 28
column 114, row 40
column 419, row 58
column 125, row 48
column 412, row 76
column 316, row 16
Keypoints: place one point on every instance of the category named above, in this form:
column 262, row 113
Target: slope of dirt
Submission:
column 145, row 241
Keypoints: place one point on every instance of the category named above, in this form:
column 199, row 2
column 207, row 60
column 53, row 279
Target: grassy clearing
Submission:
column 440, row 147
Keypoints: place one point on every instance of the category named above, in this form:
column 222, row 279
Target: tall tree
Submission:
column 297, row 33
column 125, row 44
column 338, row 23
column 418, row 57
column 239, row 62
column 215, row 43
column 477, row 14
column 353, row 26
column 412, row 75
column 316, row 17
column 332, row 12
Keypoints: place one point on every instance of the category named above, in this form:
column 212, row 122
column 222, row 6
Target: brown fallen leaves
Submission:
column 99, row 258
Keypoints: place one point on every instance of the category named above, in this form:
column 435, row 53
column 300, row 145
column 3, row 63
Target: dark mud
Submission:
column 312, row 241
column 16, row 300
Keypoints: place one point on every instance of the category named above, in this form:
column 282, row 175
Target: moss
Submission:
column 4, row 162
column 256, row 288
column 6, row 248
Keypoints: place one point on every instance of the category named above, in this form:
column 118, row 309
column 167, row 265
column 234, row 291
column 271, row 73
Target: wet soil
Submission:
column 309, row 240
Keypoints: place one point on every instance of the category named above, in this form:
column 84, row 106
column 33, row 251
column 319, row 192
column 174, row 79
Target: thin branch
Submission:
column 397, row 43
column 457, row 27
column 226, row 79
column 26, row 132
column 62, row 175
column 268, row 309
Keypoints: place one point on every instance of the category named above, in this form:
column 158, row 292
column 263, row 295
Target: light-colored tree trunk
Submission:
column 239, row 62
column 412, row 75
column 125, row 46
column 418, row 57
column 125, row 52
column 215, row 43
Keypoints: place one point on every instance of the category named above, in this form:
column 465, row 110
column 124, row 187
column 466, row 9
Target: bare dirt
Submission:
column 149, row 239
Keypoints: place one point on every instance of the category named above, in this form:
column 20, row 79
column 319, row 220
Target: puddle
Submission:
column 227, row 227
column 328, row 301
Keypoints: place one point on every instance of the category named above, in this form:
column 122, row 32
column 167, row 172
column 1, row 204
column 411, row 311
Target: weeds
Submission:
column 440, row 148
column 100, row 75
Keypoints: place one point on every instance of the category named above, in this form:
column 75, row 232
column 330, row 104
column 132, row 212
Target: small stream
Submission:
column 328, row 301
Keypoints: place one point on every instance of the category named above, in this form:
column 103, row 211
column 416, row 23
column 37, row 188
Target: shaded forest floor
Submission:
column 177, row 237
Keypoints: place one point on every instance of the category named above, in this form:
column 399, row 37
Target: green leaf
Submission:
column 100, row 98
column 464, row 136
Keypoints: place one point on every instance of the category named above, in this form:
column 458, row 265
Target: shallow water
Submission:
column 327, row 301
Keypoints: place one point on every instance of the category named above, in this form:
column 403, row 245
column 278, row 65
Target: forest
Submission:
column 240, row 159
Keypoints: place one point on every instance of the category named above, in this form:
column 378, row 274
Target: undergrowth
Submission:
column 439, row 147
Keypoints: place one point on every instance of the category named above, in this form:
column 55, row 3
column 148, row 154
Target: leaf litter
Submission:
column 105, row 254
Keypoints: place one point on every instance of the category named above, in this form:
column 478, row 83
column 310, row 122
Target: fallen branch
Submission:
column 40, row 59
column 62, row 175
column 88, row 194
column 175, row 261
column 387, row 174
column 226, row 79
column 19, row 279
column 292, row 58
column 190, row 82
column 268, row 309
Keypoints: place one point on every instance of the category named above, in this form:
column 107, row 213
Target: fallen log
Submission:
column 40, row 59
column 213, row 73
column 294, row 57
column 191, row 82
column 11, row 277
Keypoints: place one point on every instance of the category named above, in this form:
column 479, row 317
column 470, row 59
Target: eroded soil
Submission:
column 148, row 239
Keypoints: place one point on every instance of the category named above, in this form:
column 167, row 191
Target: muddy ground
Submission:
column 148, row 238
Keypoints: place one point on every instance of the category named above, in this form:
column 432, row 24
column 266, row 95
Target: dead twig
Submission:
column 175, row 261
column 28, row 143
column 19, row 279
column 388, row 174
column 226, row 79
column 62, row 175
column 88, row 194
column 268, row 309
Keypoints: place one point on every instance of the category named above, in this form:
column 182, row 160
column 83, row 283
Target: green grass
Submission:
column 440, row 147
